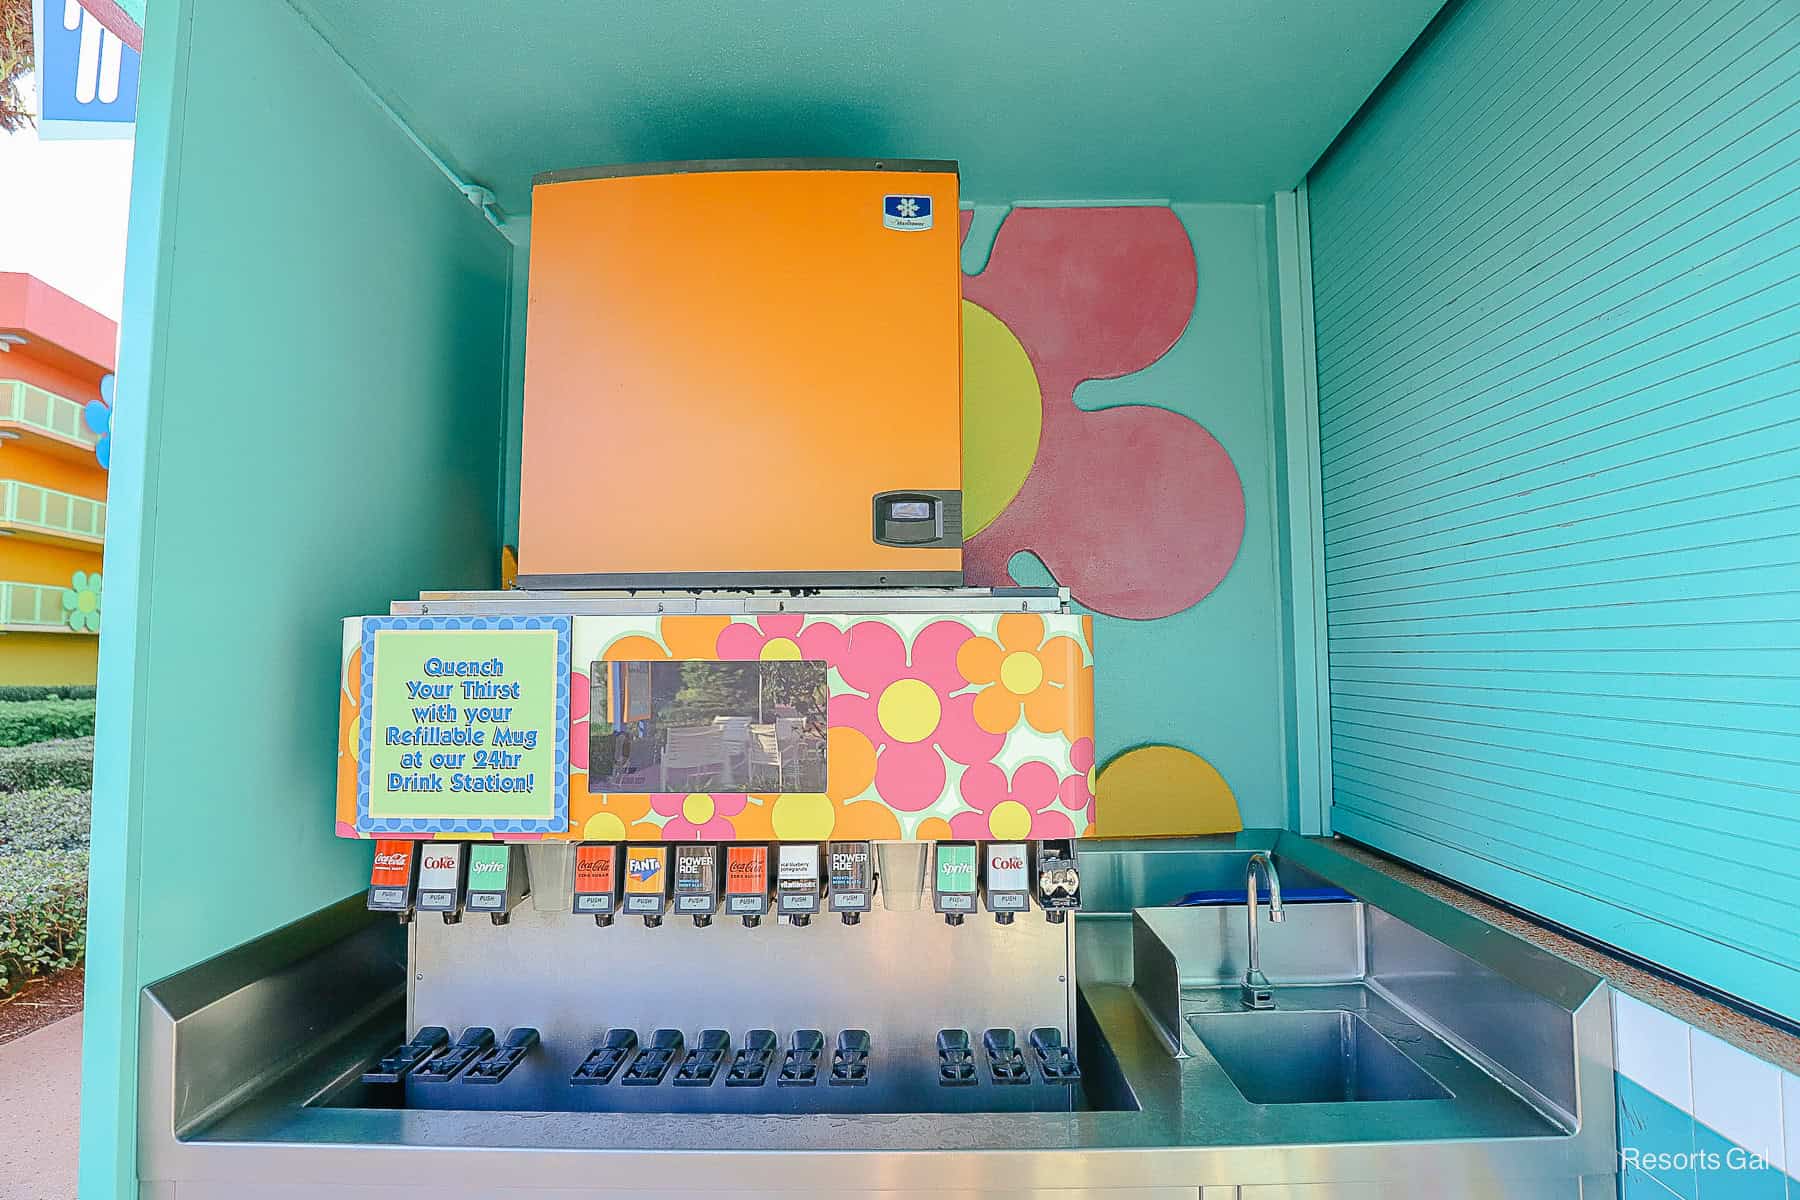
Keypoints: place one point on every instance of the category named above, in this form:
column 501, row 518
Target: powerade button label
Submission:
column 908, row 214
column 693, row 904
column 851, row 899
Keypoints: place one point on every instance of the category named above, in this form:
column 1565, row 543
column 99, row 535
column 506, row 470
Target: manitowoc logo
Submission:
column 906, row 213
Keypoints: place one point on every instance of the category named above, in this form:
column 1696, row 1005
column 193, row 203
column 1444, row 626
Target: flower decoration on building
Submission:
column 778, row 637
column 349, row 721
column 612, row 817
column 1077, row 790
column 97, row 415
column 690, row 637
column 1012, row 811
column 909, row 711
column 81, row 602
column 698, row 815
column 1136, row 508
column 1044, row 680
column 580, row 688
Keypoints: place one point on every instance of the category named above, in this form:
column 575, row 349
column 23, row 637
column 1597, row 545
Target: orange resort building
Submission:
column 56, row 361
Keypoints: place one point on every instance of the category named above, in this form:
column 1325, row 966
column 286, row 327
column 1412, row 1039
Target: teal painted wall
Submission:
column 1183, row 99
column 308, row 409
column 1210, row 678
column 1558, row 338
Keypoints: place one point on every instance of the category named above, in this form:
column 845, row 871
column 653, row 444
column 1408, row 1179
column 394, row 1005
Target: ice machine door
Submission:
column 728, row 365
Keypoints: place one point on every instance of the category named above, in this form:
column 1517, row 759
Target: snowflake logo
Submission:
column 908, row 206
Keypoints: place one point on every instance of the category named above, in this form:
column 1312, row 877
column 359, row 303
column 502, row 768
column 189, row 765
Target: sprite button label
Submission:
column 955, row 867
column 488, row 865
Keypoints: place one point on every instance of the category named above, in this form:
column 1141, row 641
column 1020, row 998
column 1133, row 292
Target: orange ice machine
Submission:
column 743, row 374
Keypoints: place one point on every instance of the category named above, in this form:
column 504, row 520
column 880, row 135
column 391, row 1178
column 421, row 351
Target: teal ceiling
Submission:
column 1072, row 100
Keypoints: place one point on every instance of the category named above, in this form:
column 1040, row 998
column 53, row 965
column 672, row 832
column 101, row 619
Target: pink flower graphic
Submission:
column 910, row 711
column 1014, row 812
column 578, row 720
column 778, row 636
column 698, row 816
column 1078, row 790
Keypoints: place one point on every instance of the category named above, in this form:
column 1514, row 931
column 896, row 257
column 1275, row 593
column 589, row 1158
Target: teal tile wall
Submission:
column 1700, row 1119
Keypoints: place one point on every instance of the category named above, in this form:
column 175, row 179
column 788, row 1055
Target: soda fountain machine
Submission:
column 804, row 846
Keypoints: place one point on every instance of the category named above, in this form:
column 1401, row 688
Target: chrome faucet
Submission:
column 1257, row 991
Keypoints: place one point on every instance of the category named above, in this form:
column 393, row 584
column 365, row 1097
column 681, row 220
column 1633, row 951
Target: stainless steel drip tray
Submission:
column 899, row 1082
column 1441, row 1052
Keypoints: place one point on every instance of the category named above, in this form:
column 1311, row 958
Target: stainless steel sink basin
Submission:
column 1311, row 1058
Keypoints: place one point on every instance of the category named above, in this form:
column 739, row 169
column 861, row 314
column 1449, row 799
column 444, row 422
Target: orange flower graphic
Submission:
column 1043, row 680
column 611, row 817
column 687, row 638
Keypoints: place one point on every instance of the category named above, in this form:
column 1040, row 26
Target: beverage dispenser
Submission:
column 711, row 698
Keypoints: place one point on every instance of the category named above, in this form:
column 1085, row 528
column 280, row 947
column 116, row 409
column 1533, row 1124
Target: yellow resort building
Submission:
column 56, row 362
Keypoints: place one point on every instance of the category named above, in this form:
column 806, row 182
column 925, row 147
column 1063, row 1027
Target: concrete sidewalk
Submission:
column 40, row 1107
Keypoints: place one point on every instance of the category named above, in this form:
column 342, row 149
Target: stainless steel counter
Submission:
column 1518, row 1039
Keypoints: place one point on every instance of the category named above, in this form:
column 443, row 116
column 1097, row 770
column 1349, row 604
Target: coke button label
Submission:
column 746, row 870
column 594, row 868
column 393, row 864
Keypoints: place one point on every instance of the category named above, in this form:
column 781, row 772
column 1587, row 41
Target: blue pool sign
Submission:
column 87, row 78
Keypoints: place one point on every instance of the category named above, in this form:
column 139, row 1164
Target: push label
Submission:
column 646, row 880
column 747, row 881
column 1008, row 879
column 953, row 883
column 440, row 876
column 797, row 880
column 490, row 866
column 696, row 880
column 851, row 880
column 596, row 878
column 391, row 878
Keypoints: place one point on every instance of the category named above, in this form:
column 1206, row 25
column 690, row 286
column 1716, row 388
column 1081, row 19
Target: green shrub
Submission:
column 44, row 819
column 39, row 691
column 43, row 913
column 25, row 721
column 68, row 764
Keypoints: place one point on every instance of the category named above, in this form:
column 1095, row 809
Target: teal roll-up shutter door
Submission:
column 1556, row 272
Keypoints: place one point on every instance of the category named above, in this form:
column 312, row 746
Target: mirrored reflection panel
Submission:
column 707, row 726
